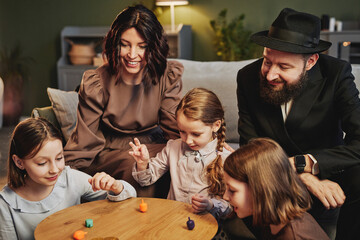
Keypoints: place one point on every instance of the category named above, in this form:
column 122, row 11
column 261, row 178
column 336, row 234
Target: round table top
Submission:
column 164, row 219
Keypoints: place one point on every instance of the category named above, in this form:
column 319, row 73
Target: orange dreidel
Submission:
column 79, row 235
column 143, row 206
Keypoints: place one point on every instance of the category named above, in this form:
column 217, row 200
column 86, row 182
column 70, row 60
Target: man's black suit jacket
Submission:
column 327, row 108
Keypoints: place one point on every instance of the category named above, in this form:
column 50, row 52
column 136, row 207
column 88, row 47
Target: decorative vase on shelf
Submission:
column 81, row 53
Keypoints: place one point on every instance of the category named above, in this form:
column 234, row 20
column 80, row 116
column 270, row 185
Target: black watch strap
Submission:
column 300, row 163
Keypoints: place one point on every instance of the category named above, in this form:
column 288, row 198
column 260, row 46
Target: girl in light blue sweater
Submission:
column 39, row 184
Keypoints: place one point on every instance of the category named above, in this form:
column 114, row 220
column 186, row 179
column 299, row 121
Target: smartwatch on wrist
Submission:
column 300, row 163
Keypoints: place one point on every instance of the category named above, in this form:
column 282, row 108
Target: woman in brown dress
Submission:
column 135, row 94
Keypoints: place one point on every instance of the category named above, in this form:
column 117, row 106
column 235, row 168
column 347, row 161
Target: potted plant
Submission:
column 14, row 70
column 232, row 40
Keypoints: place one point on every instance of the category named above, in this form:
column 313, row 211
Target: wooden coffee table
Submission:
column 164, row 219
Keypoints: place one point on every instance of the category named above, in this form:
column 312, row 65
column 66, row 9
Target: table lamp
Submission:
column 172, row 4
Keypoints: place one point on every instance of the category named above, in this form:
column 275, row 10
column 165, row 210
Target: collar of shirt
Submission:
column 285, row 109
column 55, row 197
column 201, row 154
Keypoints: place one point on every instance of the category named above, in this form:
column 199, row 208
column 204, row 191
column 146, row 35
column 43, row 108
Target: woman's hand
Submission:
column 201, row 203
column 103, row 181
column 140, row 154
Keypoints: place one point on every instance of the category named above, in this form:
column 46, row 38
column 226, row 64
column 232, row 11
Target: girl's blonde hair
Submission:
column 26, row 141
column 202, row 104
column 278, row 194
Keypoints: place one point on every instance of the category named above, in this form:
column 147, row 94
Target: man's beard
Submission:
column 284, row 95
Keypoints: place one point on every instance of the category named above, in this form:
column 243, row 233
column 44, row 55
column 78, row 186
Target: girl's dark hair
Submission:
column 146, row 23
column 27, row 139
column 202, row 104
column 277, row 192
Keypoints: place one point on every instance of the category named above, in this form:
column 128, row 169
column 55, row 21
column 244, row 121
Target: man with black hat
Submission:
column 306, row 101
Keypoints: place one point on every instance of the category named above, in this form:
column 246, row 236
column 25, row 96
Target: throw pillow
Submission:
column 65, row 108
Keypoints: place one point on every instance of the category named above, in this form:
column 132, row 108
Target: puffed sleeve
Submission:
column 157, row 167
column 171, row 99
column 87, row 140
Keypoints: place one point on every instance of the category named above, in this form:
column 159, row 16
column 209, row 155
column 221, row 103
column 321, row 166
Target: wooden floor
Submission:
column 5, row 133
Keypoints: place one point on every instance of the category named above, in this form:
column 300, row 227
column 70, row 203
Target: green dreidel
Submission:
column 89, row 223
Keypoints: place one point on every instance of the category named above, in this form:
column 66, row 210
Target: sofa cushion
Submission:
column 219, row 77
column 356, row 73
column 47, row 113
column 65, row 107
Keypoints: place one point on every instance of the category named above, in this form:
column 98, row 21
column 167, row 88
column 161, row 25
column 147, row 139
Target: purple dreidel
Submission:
column 190, row 224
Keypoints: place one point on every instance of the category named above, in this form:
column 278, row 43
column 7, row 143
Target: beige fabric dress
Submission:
column 111, row 113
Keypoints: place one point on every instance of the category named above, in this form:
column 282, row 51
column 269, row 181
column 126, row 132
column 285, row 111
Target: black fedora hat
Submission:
column 294, row 32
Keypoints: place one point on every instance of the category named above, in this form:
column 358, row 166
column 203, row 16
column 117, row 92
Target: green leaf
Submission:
column 232, row 40
column 13, row 65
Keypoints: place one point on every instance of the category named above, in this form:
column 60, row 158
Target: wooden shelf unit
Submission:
column 345, row 44
column 69, row 75
column 180, row 41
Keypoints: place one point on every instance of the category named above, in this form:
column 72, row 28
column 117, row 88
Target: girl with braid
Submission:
column 195, row 161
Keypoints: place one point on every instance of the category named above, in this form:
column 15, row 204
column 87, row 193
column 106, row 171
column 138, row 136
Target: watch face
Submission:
column 300, row 163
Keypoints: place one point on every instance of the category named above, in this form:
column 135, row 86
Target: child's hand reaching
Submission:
column 103, row 181
column 140, row 154
column 201, row 203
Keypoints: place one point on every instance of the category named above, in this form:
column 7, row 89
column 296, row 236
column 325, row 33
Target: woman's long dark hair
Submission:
column 148, row 26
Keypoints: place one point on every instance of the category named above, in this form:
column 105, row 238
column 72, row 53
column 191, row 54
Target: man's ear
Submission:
column 311, row 61
column 18, row 162
column 216, row 126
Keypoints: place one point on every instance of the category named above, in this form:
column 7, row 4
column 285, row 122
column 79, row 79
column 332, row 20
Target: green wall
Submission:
column 37, row 24
column 259, row 14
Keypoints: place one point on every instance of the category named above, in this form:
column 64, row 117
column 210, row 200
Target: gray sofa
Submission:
column 220, row 77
